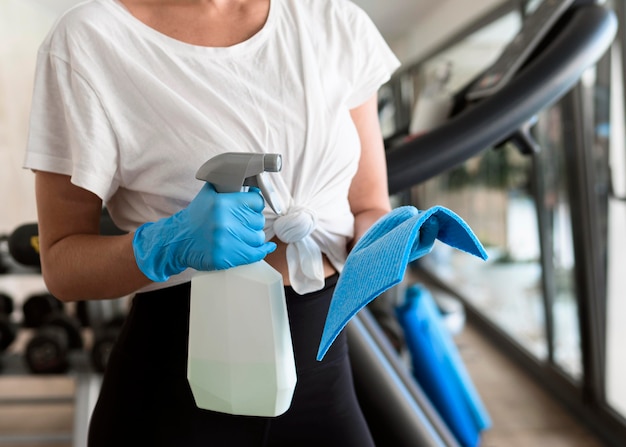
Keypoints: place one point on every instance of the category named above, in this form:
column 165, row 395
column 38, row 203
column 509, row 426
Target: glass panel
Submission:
column 616, row 329
column 468, row 58
column 492, row 194
column 616, row 247
column 558, row 241
column 420, row 97
column 531, row 5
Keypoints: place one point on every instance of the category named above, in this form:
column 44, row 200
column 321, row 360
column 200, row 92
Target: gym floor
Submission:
column 523, row 414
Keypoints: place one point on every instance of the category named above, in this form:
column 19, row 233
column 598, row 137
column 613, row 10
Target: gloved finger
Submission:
column 253, row 199
column 241, row 254
column 257, row 253
column 429, row 231
column 248, row 237
column 237, row 210
column 254, row 220
column 426, row 238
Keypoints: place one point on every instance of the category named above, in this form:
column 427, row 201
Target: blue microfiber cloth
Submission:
column 379, row 259
column 439, row 369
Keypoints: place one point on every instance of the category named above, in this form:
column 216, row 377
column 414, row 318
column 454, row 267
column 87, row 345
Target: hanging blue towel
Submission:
column 439, row 369
column 379, row 259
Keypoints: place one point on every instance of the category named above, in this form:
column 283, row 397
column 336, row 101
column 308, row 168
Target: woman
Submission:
column 131, row 97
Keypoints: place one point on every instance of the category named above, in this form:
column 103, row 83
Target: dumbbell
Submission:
column 104, row 340
column 38, row 307
column 4, row 268
column 24, row 245
column 47, row 352
column 82, row 313
column 8, row 329
column 105, row 318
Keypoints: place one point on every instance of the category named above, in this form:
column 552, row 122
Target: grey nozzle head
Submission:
column 272, row 162
column 228, row 171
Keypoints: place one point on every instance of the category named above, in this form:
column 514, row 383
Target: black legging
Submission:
column 145, row 399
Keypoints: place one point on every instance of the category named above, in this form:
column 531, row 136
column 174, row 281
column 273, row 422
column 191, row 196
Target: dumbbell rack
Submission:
column 87, row 387
column 87, row 380
column 19, row 258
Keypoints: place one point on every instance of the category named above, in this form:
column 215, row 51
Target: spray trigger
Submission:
column 260, row 181
column 232, row 171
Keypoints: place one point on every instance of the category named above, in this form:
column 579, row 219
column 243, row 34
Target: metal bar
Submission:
column 36, row 400
column 546, row 241
column 581, row 188
column 87, row 389
column 393, row 407
column 44, row 438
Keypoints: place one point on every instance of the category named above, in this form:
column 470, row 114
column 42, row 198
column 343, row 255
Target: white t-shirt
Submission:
column 131, row 114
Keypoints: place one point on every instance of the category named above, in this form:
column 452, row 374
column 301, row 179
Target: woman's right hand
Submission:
column 215, row 231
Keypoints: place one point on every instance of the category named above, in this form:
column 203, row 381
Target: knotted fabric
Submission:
column 304, row 257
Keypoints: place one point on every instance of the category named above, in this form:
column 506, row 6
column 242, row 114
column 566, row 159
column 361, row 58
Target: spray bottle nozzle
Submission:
column 231, row 171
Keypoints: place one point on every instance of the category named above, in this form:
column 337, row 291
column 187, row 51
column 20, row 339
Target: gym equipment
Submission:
column 105, row 319
column 47, row 352
column 240, row 351
column 582, row 37
column 56, row 334
column 380, row 258
column 107, row 226
column 38, row 307
column 24, row 245
column 535, row 28
column 82, row 313
column 398, row 412
column 8, row 329
column 103, row 342
column 438, row 367
column 4, row 268
column 383, row 309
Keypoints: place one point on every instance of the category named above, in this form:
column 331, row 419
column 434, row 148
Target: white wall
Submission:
column 23, row 26
column 437, row 24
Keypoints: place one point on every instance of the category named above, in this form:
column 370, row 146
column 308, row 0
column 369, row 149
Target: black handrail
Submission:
column 383, row 381
column 584, row 38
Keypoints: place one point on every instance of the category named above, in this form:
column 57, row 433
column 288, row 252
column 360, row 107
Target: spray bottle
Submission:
column 240, row 352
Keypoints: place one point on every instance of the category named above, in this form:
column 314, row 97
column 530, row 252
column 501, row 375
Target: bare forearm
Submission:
column 86, row 267
column 368, row 196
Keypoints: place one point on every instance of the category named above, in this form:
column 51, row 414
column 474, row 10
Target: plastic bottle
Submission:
column 240, row 352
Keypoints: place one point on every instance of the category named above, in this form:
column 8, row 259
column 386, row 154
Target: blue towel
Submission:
column 379, row 259
column 439, row 369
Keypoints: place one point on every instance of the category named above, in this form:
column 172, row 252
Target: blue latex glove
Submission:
column 216, row 231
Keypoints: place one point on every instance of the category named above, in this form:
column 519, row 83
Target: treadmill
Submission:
column 557, row 43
